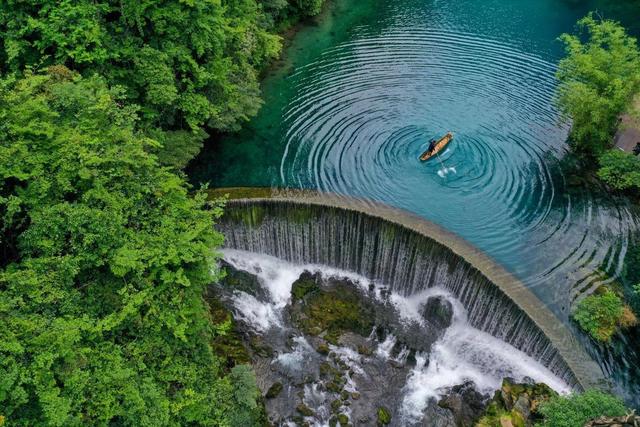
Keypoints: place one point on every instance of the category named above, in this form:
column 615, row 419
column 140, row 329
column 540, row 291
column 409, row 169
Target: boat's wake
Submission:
column 444, row 171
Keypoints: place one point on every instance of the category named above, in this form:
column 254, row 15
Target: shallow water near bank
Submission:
column 360, row 93
column 462, row 354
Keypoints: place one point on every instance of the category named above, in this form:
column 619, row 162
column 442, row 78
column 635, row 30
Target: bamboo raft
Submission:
column 440, row 145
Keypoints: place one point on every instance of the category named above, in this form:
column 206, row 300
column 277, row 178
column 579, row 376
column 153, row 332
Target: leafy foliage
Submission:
column 576, row 409
column 598, row 78
column 188, row 64
column 601, row 313
column 105, row 260
column 620, row 170
column 185, row 62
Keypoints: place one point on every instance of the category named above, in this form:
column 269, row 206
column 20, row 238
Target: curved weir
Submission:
column 408, row 254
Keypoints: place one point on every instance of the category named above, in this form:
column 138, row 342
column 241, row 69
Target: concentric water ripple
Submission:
column 364, row 110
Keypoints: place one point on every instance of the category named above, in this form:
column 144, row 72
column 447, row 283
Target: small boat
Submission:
column 442, row 142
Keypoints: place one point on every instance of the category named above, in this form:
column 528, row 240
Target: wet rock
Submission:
column 307, row 283
column 516, row 404
column 323, row 348
column 630, row 420
column 274, row 390
column 466, row 404
column 343, row 419
column 365, row 350
column 331, row 310
column 384, row 416
column 259, row 348
column 435, row 416
column 239, row 280
column 305, row 410
column 438, row 312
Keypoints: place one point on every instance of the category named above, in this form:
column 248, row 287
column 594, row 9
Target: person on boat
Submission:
column 432, row 146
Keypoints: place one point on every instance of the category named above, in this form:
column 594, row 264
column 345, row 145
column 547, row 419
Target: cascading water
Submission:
column 406, row 261
column 463, row 353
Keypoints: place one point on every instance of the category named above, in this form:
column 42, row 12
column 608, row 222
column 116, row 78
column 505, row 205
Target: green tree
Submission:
column 601, row 313
column 598, row 79
column 576, row 409
column 620, row 170
column 186, row 63
column 105, row 258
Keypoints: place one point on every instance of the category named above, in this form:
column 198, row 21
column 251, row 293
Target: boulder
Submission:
column 438, row 312
column 306, row 284
column 239, row 280
column 466, row 404
column 630, row 420
column 516, row 404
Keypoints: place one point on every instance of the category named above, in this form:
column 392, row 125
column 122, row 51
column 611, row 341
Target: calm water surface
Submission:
column 359, row 94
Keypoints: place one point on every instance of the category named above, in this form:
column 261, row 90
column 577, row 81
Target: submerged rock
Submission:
column 438, row 312
column 239, row 280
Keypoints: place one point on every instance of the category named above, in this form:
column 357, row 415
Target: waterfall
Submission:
column 389, row 253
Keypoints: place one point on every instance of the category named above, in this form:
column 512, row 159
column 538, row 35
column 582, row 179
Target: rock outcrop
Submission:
column 631, row 420
column 516, row 404
column 465, row 403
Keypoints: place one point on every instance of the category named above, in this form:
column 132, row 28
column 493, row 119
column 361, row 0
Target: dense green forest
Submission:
column 106, row 253
column 599, row 78
column 190, row 66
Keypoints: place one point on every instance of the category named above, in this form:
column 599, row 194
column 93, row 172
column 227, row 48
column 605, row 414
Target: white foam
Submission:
column 260, row 315
column 350, row 357
column 384, row 348
column 294, row 360
column 445, row 170
column 462, row 354
column 467, row 354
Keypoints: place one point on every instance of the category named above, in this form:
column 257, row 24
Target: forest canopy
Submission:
column 191, row 66
column 598, row 78
column 105, row 259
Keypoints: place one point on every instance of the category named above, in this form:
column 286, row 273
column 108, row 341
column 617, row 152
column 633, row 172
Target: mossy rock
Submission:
column 229, row 346
column 384, row 416
column 305, row 285
column 260, row 348
column 516, row 404
column 343, row 419
column 304, row 410
column 335, row 405
column 323, row 348
column 365, row 350
column 502, row 419
column 335, row 311
column 274, row 390
column 240, row 280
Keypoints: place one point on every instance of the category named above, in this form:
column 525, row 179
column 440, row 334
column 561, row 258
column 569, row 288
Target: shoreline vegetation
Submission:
column 600, row 82
column 107, row 255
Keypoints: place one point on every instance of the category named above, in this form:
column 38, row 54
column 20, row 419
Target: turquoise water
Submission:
column 359, row 94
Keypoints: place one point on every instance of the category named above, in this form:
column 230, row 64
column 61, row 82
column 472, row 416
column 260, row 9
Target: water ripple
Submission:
column 364, row 110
